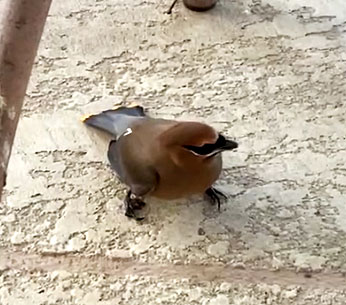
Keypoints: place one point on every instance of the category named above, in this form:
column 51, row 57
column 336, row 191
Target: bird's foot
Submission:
column 214, row 195
column 134, row 206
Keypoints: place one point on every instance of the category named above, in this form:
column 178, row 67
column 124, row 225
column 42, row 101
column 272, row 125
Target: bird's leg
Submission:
column 214, row 195
column 133, row 206
column 169, row 11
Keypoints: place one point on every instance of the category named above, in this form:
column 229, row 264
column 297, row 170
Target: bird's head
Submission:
column 194, row 139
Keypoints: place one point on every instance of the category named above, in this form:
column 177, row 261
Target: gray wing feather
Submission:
column 113, row 123
column 140, row 177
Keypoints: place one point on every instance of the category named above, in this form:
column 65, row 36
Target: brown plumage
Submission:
column 161, row 158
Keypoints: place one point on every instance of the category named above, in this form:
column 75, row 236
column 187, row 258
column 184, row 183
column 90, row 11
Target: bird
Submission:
column 161, row 158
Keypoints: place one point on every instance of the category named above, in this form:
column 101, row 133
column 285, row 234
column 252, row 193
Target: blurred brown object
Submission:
column 199, row 5
column 21, row 26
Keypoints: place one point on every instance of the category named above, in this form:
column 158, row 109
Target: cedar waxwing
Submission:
column 162, row 158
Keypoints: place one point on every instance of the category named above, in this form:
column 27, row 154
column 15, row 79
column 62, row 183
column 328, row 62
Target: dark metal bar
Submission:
column 21, row 27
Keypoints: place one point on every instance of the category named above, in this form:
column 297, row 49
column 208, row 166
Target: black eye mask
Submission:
column 207, row 149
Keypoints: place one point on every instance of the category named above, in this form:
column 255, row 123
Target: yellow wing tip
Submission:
column 133, row 105
column 85, row 117
column 115, row 107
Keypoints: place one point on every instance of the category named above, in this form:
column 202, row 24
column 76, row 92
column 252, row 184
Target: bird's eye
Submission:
column 207, row 149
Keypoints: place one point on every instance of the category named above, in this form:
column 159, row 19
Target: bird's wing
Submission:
column 115, row 121
column 134, row 155
column 132, row 168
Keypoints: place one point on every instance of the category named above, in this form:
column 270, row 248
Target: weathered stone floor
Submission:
column 268, row 73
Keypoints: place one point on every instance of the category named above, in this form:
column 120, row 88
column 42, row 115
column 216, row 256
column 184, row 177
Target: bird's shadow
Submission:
column 233, row 216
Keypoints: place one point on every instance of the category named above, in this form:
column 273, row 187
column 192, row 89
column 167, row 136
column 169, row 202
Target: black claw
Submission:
column 133, row 207
column 214, row 196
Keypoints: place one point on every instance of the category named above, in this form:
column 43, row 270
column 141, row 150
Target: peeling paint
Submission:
column 6, row 150
column 2, row 107
column 11, row 112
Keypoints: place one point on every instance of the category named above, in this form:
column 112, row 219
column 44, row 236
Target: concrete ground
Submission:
column 268, row 73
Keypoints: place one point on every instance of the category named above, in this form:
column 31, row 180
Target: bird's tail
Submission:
column 115, row 121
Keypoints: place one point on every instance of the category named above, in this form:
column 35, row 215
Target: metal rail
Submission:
column 21, row 27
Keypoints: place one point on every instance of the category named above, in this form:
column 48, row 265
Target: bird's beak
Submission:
column 229, row 145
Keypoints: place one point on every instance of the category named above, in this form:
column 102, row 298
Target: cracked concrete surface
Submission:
column 269, row 73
